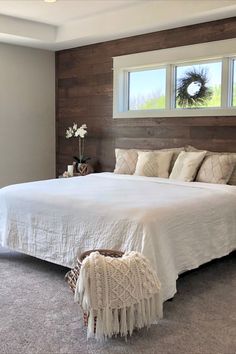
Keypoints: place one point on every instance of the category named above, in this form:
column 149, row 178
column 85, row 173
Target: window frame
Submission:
column 181, row 56
column 231, row 83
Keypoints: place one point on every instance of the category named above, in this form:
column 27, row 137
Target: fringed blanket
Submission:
column 122, row 293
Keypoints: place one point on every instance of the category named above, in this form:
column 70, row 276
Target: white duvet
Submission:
column 177, row 225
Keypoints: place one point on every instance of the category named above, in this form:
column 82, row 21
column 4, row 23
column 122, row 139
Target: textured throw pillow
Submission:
column 176, row 152
column 232, row 179
column 126, row 161
column 216, row 168
column 153, row 164
column 187, row 165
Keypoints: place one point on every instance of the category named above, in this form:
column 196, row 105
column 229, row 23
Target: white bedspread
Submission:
column 177, row 225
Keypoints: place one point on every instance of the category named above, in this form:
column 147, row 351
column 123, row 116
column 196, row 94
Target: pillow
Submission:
column 187, row 165
column 216, row 168
column 126, row 161
column 232, row 179
column 176, row 152
column 153, row 164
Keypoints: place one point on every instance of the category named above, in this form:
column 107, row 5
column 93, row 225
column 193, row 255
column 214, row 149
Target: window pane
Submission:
column 147, row 89
column 198, row 85
column 234, row 83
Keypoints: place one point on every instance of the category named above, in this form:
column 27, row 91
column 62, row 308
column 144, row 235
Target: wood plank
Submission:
column 84, row 89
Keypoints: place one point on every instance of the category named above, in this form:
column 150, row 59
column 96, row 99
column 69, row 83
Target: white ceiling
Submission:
column 71, row 23
column 60, row 12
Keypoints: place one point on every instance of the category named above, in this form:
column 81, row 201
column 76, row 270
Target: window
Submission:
column 147, row 89
column 234, row 84
column 195, row 80
column 211, row 72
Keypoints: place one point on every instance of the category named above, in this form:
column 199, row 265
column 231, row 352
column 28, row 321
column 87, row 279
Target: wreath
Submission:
column 192, row 90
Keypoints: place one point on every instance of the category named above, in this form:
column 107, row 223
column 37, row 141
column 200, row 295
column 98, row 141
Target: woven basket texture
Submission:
column 72, row 276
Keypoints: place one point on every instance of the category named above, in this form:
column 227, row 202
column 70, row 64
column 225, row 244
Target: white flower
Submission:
column 80, row 132
column 69, row 133
column 76, row 132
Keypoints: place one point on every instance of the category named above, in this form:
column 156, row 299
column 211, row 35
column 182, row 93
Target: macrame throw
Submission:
column 121, row 293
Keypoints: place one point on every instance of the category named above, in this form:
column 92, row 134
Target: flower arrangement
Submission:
column 80, row 133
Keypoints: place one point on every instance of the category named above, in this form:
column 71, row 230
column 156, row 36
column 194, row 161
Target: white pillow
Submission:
column 153, row 164
column 232, row 179
column 126, row 159
column 176, row 152
column 187, row 165
column 216, row 168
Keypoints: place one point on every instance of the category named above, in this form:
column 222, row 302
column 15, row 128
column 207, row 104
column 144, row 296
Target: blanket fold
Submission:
column 121, row 293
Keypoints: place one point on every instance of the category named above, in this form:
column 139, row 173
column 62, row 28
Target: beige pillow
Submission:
column 232, row 179
column 216, row 168
column 176, row 152
column 187, row 165
column 126, row 161
column 153, row 164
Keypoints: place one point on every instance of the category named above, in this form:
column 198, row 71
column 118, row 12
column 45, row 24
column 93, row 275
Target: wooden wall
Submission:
column 84, row 83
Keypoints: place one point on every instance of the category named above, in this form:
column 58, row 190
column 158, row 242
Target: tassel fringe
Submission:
column 116, row 318
column 112, row 322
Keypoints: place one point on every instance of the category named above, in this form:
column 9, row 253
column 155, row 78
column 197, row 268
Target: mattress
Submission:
column 176, row 225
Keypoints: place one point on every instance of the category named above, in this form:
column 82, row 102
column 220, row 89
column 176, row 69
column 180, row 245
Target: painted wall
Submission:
column 27, row 114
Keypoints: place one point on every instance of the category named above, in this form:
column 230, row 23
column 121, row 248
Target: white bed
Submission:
column 177, row 225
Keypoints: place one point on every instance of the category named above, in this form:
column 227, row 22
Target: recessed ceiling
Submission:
column 60, row 12
column 70, row 23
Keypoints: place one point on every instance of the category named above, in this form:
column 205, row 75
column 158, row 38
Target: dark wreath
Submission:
column 200, row 92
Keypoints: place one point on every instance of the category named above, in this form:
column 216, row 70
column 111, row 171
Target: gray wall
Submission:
column 27, row 114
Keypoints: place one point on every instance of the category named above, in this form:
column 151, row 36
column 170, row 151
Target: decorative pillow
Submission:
column 232, row 179
column 216, row 168
column 153, row 164
column 176, row 152
column 187, row 165
column 126, row 161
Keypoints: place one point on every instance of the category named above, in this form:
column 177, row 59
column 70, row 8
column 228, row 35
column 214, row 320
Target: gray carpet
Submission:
column 37, row 313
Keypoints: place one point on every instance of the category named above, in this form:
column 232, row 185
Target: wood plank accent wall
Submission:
column 84, row 82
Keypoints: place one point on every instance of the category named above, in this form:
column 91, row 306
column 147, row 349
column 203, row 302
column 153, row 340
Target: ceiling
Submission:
column 71, row 23
column 60, row 12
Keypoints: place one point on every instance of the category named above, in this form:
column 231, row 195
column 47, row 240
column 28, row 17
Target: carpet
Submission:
column 38, row 315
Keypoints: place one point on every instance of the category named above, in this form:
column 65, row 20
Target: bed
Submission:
column 176, row 225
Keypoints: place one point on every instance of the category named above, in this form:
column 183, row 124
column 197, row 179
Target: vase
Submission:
column 84, row 169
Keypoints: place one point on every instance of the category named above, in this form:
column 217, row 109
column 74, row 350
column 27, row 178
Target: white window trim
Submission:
column 211, row 51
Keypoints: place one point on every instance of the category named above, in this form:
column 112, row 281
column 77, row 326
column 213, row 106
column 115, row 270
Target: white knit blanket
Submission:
column 122, row 293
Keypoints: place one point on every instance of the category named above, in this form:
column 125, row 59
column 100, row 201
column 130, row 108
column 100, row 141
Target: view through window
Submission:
column 147, row 89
